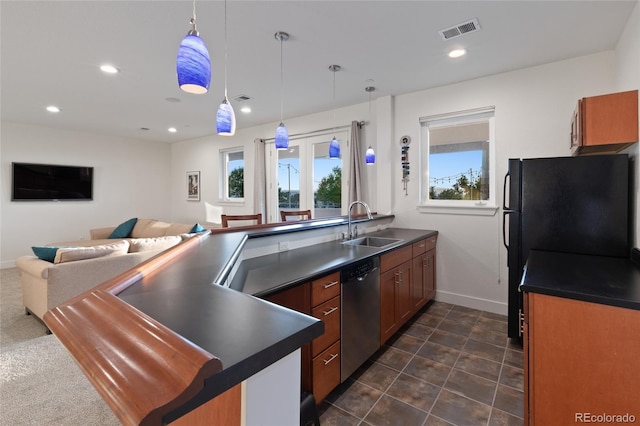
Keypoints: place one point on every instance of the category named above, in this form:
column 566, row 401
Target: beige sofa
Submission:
column 81, row 265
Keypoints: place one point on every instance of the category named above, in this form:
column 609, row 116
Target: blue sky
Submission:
column 451, row 165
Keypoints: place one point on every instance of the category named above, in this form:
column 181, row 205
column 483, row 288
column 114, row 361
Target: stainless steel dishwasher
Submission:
column 360, row 322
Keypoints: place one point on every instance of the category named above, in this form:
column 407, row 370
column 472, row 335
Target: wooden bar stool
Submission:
column 227, row 217
column 303, row 214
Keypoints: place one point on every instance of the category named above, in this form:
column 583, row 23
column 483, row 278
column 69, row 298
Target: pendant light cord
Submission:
column 225, row 48
column 281, row 80
column 193, row 19
column 334, row 102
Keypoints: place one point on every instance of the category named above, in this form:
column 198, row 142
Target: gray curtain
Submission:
column 260, row 179
column 355, row 175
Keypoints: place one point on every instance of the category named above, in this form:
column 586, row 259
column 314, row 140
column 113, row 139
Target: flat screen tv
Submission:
column 51, row 182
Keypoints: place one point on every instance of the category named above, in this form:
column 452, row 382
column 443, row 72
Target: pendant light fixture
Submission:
column 282, row 135
column 225, row 117
column 193, row 64
column 370, row 155
column 334, row 146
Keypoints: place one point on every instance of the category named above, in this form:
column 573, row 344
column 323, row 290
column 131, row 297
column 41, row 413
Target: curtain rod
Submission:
column 298, row 135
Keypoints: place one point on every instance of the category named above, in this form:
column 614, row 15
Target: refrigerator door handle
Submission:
column 504, row 227
column 504, row 192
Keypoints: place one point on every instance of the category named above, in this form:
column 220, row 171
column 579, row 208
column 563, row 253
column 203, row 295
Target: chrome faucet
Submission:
column 362, row 203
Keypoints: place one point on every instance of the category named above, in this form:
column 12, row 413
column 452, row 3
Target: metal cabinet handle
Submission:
column 335, row 308
column 331, row 284
column 421, row 245
column 327, row 361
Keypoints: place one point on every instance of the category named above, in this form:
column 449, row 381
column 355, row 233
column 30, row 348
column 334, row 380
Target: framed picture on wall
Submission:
column 193, row 186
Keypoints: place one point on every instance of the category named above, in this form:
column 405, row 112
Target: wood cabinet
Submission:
column 395, row 291
column 321, row 358
column 606, row 123
column 580, row 359
column 423, row 273
column 325, row 370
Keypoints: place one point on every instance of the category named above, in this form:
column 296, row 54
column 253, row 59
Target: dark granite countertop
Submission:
column 264, row 275
column 605, row 280
column 245, row 333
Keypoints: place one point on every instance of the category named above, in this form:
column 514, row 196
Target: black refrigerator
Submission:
column 563, row 204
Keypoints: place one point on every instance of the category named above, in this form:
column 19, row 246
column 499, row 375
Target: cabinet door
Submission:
column 430, row 275
column 404, row 282
column 418, row 287
column 388, row 315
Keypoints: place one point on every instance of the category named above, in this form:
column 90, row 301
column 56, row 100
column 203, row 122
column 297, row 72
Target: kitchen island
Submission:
column 581, row 345
column 166, row 343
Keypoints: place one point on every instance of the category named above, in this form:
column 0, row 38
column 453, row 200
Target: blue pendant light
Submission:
column 334, row 149
column 370, row 156
column 193, row 64
column 282, row 135
column 334, row 146
column 225, row 117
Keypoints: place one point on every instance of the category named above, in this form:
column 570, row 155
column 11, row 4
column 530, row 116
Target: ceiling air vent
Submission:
column 241, row 98
column 460, row 29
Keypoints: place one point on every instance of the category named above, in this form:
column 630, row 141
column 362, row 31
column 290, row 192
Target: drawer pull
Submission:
column 331, row 284
column 327, row 361
column 335, row 308
column 421, row 245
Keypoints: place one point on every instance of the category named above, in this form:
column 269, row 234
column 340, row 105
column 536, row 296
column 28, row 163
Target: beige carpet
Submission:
column 40, row 384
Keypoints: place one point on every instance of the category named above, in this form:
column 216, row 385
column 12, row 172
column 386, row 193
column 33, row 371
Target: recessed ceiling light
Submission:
column 245, row 109
column 109, row 69
column 172, row 129
column 456, row 53
column 53, row 108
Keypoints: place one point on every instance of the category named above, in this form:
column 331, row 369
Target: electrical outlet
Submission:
column 283, row 246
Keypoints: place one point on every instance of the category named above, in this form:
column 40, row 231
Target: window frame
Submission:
column 306, row 144
column 471, row 207
column 223, row 195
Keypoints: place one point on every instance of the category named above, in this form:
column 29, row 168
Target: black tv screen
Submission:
column 50, row 182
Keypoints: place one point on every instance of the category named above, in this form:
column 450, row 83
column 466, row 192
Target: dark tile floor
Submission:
column 450, row 365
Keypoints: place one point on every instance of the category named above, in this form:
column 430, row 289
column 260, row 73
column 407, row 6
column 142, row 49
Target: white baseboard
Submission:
column 472, row 302
column 8, row 264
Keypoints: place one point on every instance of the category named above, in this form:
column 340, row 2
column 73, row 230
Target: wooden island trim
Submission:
column 142, row 369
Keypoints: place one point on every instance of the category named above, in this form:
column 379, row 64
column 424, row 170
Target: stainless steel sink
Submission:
column 378, row 242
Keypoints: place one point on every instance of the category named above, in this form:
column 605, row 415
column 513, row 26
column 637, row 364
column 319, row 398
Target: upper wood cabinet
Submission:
column 606, row 123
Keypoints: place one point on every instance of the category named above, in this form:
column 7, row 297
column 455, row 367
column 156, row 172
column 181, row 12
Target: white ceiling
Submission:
column 51, row 50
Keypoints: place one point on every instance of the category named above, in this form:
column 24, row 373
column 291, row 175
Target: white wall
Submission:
column 130, row 180
column 533, row 109
column 628, row 78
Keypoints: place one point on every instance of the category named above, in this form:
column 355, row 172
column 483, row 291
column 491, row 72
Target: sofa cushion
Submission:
column 156, row 243
column 197, row 228
column 178, row 228
column 45, row 253
column 149, row 228
column 124, row 229
column 70, row 254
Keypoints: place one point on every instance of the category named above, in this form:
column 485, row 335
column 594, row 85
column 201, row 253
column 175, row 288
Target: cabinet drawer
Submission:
column 419, row 247
column 326, row 372
column 395, row 258
column 329, row 313
column 325, row 288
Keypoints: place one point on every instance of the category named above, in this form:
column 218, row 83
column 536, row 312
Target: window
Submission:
column 458, row 160
column 303, row 177
column 232, row 175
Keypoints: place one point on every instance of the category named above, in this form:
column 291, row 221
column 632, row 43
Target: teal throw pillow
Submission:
column 45, row 253
column 124, row 229
column 198, row 228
